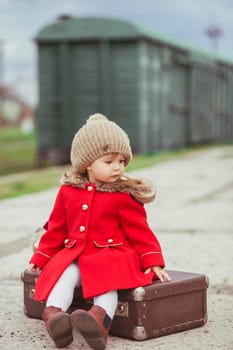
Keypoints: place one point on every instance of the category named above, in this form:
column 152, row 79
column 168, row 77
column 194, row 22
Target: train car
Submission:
column 163, row 93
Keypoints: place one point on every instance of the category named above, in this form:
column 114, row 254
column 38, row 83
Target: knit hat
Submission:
column 99, row 136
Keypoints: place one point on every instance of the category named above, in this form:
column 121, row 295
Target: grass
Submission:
column 29, row 182
column 17, row 151
column 38, row 180
column 147, row 160
column 18, row 175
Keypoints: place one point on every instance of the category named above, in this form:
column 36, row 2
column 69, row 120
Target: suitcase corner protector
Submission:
column 139, row 333
column 138, row 294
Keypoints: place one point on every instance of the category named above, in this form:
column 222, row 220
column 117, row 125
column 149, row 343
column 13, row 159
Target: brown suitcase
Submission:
column 144, row 312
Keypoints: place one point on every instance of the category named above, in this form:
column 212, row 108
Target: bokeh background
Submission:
column 201, row 25
column 190, row 22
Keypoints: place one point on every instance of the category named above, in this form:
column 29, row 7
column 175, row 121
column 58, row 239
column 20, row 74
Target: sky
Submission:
column 184, row 20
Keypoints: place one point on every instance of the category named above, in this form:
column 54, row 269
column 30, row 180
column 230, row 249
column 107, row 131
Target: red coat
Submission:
column 106, row 233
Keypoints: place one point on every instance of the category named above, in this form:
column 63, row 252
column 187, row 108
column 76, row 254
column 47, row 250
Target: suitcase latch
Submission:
column 122, row 309
column 31, row 293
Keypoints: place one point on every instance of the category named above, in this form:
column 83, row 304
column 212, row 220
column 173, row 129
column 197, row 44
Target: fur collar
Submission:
column 142, row 190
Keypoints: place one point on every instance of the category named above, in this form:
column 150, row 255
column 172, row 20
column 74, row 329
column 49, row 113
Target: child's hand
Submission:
column 34, row 268
column 162, row 275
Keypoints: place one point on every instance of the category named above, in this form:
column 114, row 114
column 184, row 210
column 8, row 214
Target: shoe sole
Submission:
column 89, row 329
column 60, row 330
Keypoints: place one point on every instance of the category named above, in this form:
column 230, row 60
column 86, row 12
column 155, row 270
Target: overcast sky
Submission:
column 185, row 20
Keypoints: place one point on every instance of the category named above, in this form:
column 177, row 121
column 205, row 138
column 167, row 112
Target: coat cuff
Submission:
column 40, row 259
column 152, row 259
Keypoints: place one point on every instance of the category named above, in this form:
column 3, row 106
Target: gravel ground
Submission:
column 193, row 219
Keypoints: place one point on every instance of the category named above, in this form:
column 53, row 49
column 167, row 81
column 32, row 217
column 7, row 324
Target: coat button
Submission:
column 82, row 228
column 84, row 207
column 89, row 188
column 110, row 240
column 66, row 241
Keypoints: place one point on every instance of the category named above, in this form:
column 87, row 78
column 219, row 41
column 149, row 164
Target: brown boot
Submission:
column 58, row 326
column 93, row 325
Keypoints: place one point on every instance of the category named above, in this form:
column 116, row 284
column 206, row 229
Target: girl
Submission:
column 97, row 236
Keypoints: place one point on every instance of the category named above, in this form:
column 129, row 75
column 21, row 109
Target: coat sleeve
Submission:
column 135, row 226
column 53, row 239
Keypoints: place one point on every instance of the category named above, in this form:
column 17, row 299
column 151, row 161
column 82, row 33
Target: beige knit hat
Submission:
column 99, row 136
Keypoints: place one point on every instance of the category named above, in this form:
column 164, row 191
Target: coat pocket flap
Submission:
column 69, row 243
column 108, row 242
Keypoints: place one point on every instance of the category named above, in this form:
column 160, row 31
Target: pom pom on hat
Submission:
column 95, row 117
column 99, row 136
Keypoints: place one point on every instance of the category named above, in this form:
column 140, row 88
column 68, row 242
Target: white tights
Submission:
column 62, row 292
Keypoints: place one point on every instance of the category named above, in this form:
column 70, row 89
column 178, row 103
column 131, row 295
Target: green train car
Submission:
column 164, row 94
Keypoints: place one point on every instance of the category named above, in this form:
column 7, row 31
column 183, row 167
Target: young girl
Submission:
column 97, row 236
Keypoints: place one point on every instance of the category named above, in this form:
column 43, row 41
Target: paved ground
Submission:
column 193, row 219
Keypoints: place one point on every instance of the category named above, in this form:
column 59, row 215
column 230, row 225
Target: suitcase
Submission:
column 144, row 312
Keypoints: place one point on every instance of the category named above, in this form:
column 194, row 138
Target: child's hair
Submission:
column 99, row 136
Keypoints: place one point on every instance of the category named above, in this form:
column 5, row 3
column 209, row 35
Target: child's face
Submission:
column 108, row 168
